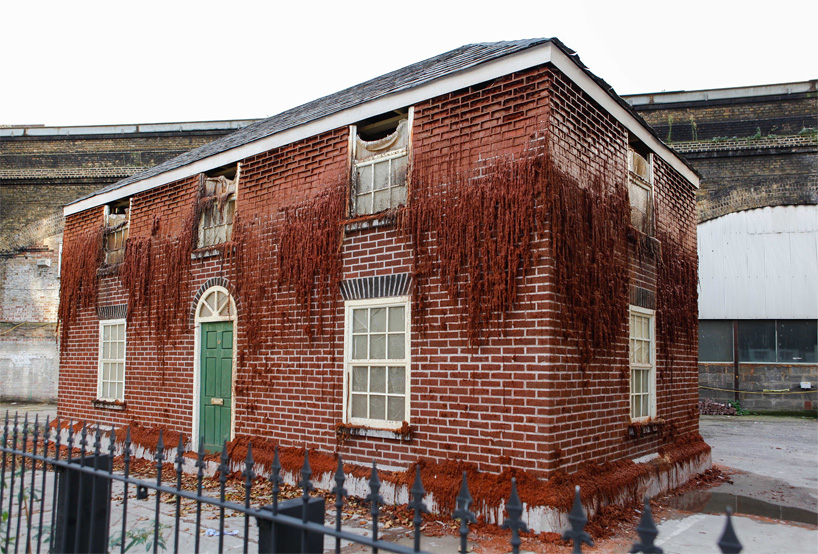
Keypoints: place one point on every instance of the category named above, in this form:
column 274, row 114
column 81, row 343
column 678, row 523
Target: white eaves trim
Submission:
column 532, row 57
column 720, row 93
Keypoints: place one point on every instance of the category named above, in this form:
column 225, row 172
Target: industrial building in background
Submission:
column 756, row 149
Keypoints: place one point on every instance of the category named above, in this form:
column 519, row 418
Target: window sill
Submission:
column 108, row 270
column 371, row 221
column 207, row 252
column 344, row 432
column 638, row 429
column 646, row 245
column 109, row 404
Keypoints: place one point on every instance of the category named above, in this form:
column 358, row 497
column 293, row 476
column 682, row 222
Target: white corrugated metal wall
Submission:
column 760, row 264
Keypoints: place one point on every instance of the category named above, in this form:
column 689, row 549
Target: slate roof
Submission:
column 402, row 79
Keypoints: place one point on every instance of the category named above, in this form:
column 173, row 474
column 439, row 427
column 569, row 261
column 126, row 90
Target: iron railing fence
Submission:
column 67, row 506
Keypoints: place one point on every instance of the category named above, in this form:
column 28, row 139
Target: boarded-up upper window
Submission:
column 218, row 208
column 379, row 169
column 640, row 191
column 116, row 233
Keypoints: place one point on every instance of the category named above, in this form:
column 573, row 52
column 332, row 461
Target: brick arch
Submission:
column 210, row 283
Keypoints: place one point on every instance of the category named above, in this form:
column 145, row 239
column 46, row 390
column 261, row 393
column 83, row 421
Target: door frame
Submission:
column 197, row 362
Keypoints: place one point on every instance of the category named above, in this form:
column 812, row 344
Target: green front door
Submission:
column 217, row 384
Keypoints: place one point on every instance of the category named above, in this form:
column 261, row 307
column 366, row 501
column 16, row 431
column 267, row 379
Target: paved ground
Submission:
column 772, row 463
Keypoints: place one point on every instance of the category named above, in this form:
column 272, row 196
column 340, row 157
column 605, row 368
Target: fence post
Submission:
column 82, row 504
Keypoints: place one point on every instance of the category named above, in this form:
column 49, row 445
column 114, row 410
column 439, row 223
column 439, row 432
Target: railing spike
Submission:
column 306, row 472
column 515, row 518
column 160, row 448
column 200, row 463
column 249, row 475
column 180, row 460
column 340, row 492
column 729, row 543
column 223, row 470
column 417, row 505
column 375, row 500
column 577, row 520
column 647, row 532
column 98, row 442
column 463, row 513
column 160, row 457
column 83, row 440
column 275, row 479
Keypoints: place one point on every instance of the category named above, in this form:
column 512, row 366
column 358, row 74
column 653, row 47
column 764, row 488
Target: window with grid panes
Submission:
column 377, row 362
column 642, row 362
column 380, row 165
column 111, row 378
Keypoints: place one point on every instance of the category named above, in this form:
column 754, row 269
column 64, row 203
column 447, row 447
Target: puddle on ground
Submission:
column 716, row 502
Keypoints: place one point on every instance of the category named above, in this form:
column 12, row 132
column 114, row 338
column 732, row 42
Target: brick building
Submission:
column 755, row 148
column 484, row 257
column 42, row 169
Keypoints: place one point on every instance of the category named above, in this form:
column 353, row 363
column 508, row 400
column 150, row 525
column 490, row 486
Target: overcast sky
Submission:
column 84, row 63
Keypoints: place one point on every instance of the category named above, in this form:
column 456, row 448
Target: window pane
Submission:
column 359, row 347
column 797, row 340
column 377, row 407
column 645, row 405
column 358, row 405
column 397, row 380
column 359, row 378
column 364, row 179
column 381, row 201
column 397, row 346
column 359, row 321
column 377, row 347
column 396, row 409
column 756, row 340
column 397, row 318
column 363, row 205
column 377, row 320
column 398, row 196
column 377, row 379
column 106, row 332
column 640, row 206
column 715, row 340
column 399, row 167
column 381, row 175
column 106, row 350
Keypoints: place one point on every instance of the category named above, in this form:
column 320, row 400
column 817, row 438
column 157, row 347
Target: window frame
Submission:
column 230, row 206
column 114, row 232
column 101, row 360
column 651, row 366
column 406, row 362
column 645, row 184
column 384, row 157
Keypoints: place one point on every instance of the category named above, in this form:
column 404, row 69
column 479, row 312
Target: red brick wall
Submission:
column 521, row 398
